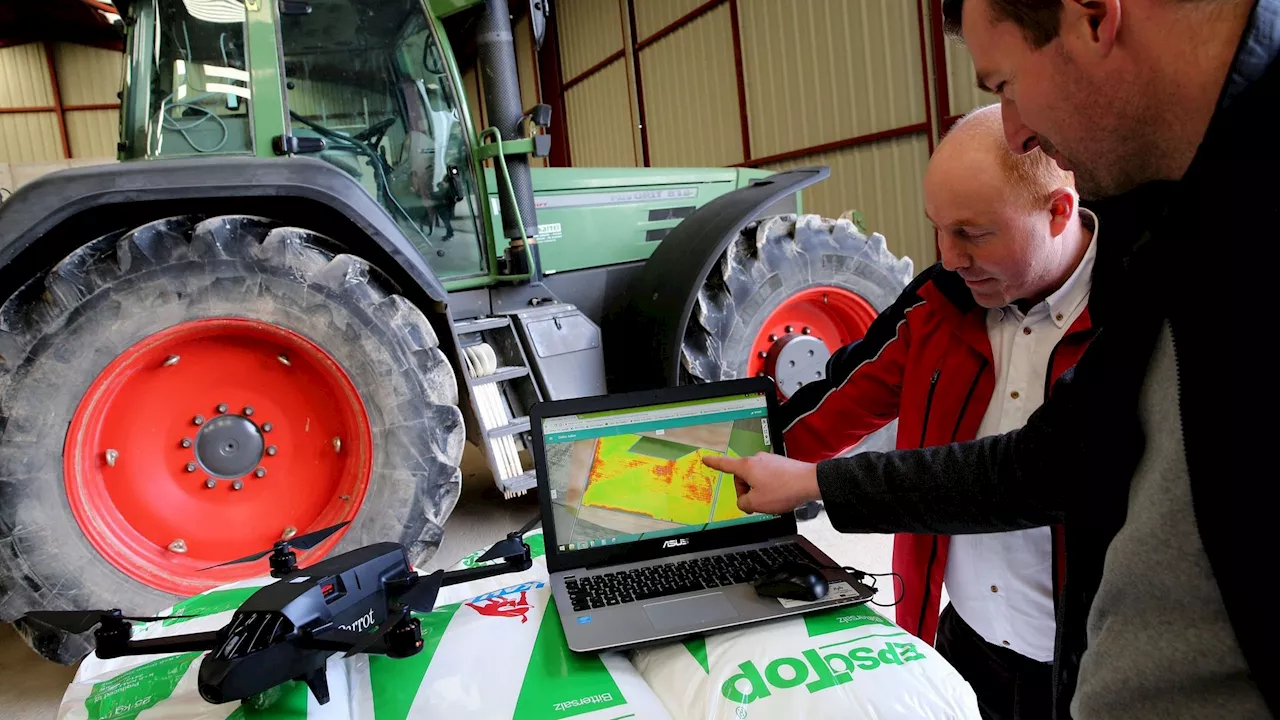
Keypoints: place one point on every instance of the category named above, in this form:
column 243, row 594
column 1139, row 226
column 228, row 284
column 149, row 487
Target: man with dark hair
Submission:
column 1167, row 109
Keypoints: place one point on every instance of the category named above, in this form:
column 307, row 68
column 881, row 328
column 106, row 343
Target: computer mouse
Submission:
column 793, row 581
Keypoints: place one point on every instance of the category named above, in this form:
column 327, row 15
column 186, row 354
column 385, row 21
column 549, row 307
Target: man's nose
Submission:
column 953, row 258
column 1021, row 138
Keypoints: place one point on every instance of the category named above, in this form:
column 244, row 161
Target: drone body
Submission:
column 356, row 602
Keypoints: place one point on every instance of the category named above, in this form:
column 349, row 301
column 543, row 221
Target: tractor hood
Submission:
column 592, row 217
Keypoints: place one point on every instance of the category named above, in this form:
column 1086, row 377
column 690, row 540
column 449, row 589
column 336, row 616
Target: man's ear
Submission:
column 1062, row 207
column 1090, row 26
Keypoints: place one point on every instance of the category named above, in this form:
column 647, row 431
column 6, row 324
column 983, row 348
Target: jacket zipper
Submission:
column 964, row 407
column 928, row 404
column 933, row 551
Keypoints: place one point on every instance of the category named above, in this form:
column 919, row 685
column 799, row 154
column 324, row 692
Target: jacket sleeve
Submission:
column 862, row 388
column 1026, row 478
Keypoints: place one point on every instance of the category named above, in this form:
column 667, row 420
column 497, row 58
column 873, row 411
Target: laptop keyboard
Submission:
column 653, row 581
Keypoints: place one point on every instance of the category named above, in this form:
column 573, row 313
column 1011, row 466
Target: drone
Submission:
column 358, row 602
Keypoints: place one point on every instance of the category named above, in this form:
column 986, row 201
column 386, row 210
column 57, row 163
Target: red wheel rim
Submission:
column 127, row 471
column 833, row 315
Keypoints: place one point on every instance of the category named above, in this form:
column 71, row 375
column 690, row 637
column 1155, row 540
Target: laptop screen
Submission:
column 625, row 475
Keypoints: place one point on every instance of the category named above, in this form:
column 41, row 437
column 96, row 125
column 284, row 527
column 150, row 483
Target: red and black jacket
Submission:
column 926, row 360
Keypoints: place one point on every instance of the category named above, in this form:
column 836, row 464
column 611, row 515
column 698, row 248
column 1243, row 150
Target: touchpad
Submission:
column 690, row 611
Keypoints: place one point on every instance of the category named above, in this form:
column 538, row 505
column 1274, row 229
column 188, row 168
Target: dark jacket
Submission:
column 1074, row 459
column 927, row 361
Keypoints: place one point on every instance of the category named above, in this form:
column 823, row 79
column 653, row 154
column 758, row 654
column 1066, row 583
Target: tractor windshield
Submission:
column 197, row 100
column 369, row 77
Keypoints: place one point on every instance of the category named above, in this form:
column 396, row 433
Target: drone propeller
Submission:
column 78, row 621
column 420, row 598
column 512, row 545
column 301, row 542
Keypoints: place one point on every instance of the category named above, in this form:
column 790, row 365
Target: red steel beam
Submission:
column 839, row 144
column 98, row 106
column 613, row 57
column 735, row 27
column 635, row 58
column 4, row 110
column 57, row 101
column 924, row 72
column 680, row 22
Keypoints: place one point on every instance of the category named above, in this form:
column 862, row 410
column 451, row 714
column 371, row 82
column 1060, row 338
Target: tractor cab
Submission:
column 364, row 85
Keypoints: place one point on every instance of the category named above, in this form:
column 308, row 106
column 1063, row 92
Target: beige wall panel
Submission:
column 691, row 95
column 29, row 137
column 653, row 15
column 87, row 75
column 93, row 133
column 24, row 173
column 962, row 88
column 884, row 180
column 24, row 77
column 526, row 64
column 590, row 31
column 471, row 86
column 817, row 71
column 600, row 120
column 336, row 105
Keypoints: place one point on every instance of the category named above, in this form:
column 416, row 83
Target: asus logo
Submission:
column 675, row 543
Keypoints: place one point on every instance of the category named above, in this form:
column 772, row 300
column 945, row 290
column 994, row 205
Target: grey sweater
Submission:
column 1160, row 645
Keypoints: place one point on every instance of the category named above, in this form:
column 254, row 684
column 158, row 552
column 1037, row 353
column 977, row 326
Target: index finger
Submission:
column 723, row 463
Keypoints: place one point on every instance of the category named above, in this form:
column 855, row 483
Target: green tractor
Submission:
column 313, row 278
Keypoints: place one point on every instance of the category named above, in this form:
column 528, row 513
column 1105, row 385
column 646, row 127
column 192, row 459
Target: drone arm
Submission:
column 195, row 642
column 509, row 564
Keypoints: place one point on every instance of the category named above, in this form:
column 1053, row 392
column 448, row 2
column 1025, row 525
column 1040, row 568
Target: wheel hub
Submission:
column 229, row 446
column 795, row 361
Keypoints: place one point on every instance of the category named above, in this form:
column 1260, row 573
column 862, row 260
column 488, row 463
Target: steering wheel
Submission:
column 374, row 133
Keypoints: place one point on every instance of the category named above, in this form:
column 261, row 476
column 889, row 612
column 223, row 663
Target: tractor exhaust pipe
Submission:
column 497, row 53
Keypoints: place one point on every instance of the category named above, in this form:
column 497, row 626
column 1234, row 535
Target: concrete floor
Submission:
column 31, row 688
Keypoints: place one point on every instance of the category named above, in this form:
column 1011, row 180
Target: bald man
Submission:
column 968, row 350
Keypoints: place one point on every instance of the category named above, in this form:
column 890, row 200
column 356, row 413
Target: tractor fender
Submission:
column 48, row 218
column 661, row 297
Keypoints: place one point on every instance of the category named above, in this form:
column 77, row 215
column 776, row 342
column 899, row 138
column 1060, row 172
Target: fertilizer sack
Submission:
column 499, row 652
column 848, row 662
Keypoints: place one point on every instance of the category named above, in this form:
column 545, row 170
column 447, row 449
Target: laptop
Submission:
column 645, row 543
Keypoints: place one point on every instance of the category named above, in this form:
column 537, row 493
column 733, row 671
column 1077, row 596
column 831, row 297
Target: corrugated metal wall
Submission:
column 88, row 80
column 833, row 82
column 963, row 94
column 691, row 94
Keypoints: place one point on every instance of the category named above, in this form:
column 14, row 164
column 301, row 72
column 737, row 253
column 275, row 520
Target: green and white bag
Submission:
column 497, row 650
column 848, row 662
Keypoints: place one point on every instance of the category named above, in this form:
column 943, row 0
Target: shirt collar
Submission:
column 1259, row 46
column 1061, row 304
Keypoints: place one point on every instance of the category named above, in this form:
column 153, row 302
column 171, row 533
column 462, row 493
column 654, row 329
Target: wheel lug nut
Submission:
column 178, row 546
column 789, row 329
column 171, row 360
column 271, row 450
column 337, row 444
column 773, row 338
column 222, row 407
column 198, row 420
column 763, row 354
column 248, row 410
column 210, row 483
column 284, row 359
column 760, row 374
column 260, row 472
column 191, row 467
column 112, row 456
column 806, row 331
column 186, row 442
column 236, row 485
column 288, row 532
column 266, row 427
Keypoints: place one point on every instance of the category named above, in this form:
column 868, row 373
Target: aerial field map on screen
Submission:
column 622, row 486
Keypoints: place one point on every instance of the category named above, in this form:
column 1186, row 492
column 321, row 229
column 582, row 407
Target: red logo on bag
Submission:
column 503, row 607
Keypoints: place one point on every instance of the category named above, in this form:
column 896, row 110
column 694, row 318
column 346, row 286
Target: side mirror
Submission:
column 539, row 11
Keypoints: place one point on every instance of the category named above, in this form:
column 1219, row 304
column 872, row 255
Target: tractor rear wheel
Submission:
column 192, row 391
column 785, row 295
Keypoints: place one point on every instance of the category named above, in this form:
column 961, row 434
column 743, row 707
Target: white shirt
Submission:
column 1002, row 583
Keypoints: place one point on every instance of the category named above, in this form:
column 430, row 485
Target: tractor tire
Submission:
column 359, row 358
column 790, row 279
